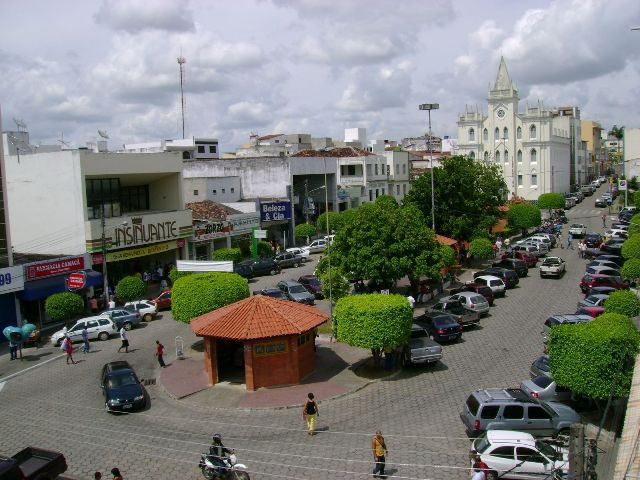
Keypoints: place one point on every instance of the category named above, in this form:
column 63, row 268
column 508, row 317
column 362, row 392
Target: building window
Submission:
column 519, row 156
column 397, row 190
column 370, row 195
column 212, row 149
column 505, row 133
column 376, row 169
column 496, row 134
column 486, row 156
column 404, row 188
column 383, row 191
column 506, row 156
column 195, row 192
column 533, row 156
column 377, row 192
column 497, row 156
column 215, row 192
column 485, row 134
column 200, row 148
column 404, row 168
column 519, row 180
column 224, row 191
column 397, row 169
column 233, row 190
column 519, row 133
column 472, row 135
column 186, row 155
column 347, row 170
column 472, row 155
column 532, row 132
column 534, row 178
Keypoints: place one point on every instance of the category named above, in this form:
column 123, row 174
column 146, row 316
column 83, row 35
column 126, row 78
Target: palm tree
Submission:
column 617, row 132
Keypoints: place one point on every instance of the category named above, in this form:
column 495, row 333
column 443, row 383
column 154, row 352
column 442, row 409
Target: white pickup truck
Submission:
column 552, row 267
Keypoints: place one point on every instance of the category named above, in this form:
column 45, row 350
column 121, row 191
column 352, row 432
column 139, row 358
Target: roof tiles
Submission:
column 334, row 152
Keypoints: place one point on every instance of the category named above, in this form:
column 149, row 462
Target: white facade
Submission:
column 356, row 135
column 192, row 148
column 532, row 148
column 216, row 189
column 399, row 174
column 632, row 152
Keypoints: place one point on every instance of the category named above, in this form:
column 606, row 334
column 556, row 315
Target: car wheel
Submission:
column 296, row 265
column 147, row 317
column 565, row 432
column 127, row 326
column 58, row 342
column 273, row 272
column 103, row 336
column 492, row 476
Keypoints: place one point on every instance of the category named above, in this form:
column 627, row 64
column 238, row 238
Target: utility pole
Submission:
column 428, row 107
column 576, row 451
column 304, row 202
column 181, row 62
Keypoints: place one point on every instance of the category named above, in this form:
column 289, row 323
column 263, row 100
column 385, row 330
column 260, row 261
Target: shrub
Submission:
column 227, row 254
column 631, row 247
column 634, row 224
column 595, row 359
column 373, row 321
column 524, row 216
column 174, row 274
column 481, row 248
column 631, row 269
column 200, row 293
column 305, row 230
column 623, row 302
column 334, row 221
column 264, row 249
column 340, row 286
column 130, row 288
column 63, row 306
column 636, row 199
column 550, row 201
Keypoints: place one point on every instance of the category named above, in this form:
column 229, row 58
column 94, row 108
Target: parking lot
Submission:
column 60, row 406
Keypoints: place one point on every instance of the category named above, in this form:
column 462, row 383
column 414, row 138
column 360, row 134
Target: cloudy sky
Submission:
column 305, row 66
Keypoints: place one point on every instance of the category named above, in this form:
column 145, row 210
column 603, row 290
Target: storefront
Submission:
column 11, row 282
column 232, row 230
column 275, row 217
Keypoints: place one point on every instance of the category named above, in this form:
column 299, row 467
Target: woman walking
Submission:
column 309, row 413
column 67, row 346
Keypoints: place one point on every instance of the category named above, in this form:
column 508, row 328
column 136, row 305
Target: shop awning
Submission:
column 39, row 289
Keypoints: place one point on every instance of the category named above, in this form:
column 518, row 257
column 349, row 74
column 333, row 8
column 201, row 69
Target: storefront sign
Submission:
column 244, row 222
column 274, row 211
column 11, row 279
column 59, row 266
column 141, row 252
column 234, row 225
column 271, row 348
column 76, row 281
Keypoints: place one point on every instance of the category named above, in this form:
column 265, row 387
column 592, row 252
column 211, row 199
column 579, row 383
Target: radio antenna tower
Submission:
column 181, row 62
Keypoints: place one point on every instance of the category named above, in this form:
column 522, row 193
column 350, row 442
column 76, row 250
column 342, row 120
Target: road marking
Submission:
column 13, row 375
column 2, row 386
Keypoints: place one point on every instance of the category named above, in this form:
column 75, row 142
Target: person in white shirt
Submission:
column 125, row 340
column 477, row 474
column 411, row 301
column 112, row 303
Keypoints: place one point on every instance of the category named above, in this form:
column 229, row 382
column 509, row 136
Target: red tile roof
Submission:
column 442, row 240
column 334, row 152
column 208, row 210
column 258, row 317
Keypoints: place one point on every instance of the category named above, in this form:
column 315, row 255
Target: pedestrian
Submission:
column 499, row 243
column 13, row 348
column 379, row 448
column 160, row 353
column 411, row 300
column 97, row 476
column 85, row 338
column 494, row 247
column 163, row 284
column 116, row 474
column 570, row 241
column 477, row 473
column 478, row 463
column 93, row 304
column 604, row 220
column 125, row 340
column 67, row 346
column 559, row 239
column 310, row 413
column 146, row 276
column 112, row 303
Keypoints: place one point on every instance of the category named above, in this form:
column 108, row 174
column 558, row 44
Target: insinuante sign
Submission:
column 139, row 232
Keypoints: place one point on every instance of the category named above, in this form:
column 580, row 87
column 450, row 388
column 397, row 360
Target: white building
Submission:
column 192, row 148
column 533, row 148
column 631, row 152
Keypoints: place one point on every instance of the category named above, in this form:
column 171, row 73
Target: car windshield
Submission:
column 548, row 451
column 542, row 363
column 122, row 381
column 576, row 225
column 297, row 289
column 481, row 443
column 313, row 281
column 442, row 321
column 475, row 300
column 552, row 261
column 542, row 381
column 418, row 333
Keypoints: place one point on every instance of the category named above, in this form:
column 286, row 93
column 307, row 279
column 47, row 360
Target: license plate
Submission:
column 451, row 337
column 127, row 405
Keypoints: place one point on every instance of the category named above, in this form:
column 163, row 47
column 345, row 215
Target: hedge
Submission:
column 305, row 230
column 634, row 224
column 227, row 254
column 481, row 248
column 623, row 302
column 264, row 249
column 199, row 293
column 595, row 359
column 631, row 269
column 631, row 247
column 63, row 306
column 130, row 288
column 551, row 201
column 174, row 274
column 373, row 321
column 337, row 283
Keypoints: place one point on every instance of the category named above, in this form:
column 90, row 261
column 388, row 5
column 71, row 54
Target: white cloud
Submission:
column 487, row 35
column 372, row 91
column 135, row 16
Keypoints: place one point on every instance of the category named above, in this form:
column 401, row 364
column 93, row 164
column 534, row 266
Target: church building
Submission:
column 537, row 150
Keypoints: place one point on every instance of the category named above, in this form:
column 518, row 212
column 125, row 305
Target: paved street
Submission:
column 60, row 406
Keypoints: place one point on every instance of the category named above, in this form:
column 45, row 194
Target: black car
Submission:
column 121, row 388
column 592, row 240
column 514, row 264
column 441, row 327
column 613, row 246
column 509, row 277
column 600, row 291
column 288, row 259
column 243, row 269
column 272, row 292
column 617, row 259
column 540, row 366
column 265, row 266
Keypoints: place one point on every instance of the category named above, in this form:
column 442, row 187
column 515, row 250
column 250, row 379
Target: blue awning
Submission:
column 39, row 289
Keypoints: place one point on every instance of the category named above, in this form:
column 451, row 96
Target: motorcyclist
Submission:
column 219, row 452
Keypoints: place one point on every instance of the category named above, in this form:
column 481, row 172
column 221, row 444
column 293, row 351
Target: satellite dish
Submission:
column 103, row 134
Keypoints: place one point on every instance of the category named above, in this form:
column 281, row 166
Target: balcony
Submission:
column 351, row 180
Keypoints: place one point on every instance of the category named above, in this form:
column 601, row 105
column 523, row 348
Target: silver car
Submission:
column 545, row 388
column 473, row 301
column 595, row 300
column 295, row 291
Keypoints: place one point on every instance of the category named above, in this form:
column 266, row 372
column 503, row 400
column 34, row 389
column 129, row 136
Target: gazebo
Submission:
column 270, row 341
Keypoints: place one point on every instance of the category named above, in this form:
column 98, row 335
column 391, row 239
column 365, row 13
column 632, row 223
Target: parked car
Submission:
column 603, row 270
column 578, row 230
column 630, row 209
column 587, row 190
column 441, row 327
column 146, row 308
column 589, row 281
column 613, row 246
column 304, row 253
column 568, row 319
column 529, row 259
column 296, row 292
column 519, row 455
column 483, row 290
column 272, row 292
column 317, row 246
column 617, row 259
column 547, row 239
column 463, row 315
column 603, row 263
column 552, row 267
column 601, row 290
column 543, row 247
column 596, row 300
column 123, row 317
column 514, row 264
column 496, row 284
column 540, row 366
column 98, row 327
column 265, row 266
column 615, row 233
column 600, row 202
column 163, row 300
column 592, row 311
column 545, row 388
column 513, row 409
column 420, row 349
column 509, row 277
column 121, row 388
column 592, row 240
column 288, row 259
column 528, row 248
column 472, row 301
column 620, row 226
column 244, row 269
column 312, row 284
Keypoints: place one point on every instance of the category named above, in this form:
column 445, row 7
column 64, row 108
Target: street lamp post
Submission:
column 326, row 210
column 105, row 284
column 428, row 107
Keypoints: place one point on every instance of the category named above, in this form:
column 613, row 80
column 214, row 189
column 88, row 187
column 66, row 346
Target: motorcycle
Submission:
column 215, row 468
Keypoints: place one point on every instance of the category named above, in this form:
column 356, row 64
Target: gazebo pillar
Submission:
column 248, row 365
column 211, row 359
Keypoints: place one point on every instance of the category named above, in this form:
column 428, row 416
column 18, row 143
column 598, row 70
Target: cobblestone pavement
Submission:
column 60, row 406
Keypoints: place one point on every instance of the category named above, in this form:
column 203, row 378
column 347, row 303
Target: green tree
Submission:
column 334, row 221
column 634, row 224
column 373, row 321
column 63, row 306
column 524, row 216
column 130, row 288
column 631, row 269
column 200, row 293
column 305, row 230
column 623, row 302
column 264, row 249
column 384, row 242
column 481, row 248
column 631, row 247
column 336, row 282
column 227, row 254
column 595, row 359
column 636, row 199
column 551, row 201
column 617, row 132
column 633, row 183
column 467, row 195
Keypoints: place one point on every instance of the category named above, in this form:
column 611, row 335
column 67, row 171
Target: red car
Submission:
column 527, row 258
column 589, row 281
column 163, row 300
column 594, row 311
column 483, row 290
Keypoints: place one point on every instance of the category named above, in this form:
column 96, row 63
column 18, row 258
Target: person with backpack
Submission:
column 309, row 413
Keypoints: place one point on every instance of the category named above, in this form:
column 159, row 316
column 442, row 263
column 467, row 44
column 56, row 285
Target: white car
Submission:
column 510, row 454
column 317, row 246
column 97, row 327
column 300, row 251
column 146, row 308
column 615, row 233
column 552, row 267
column 496, row 284
column 578, row 230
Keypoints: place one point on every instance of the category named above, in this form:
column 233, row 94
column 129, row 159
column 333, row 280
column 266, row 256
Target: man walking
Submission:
column 570, row 241
column 13, row 349
column 85, row 339
column 125, row 340
column 379, row 448
column 160, row 353
column 604, row 220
